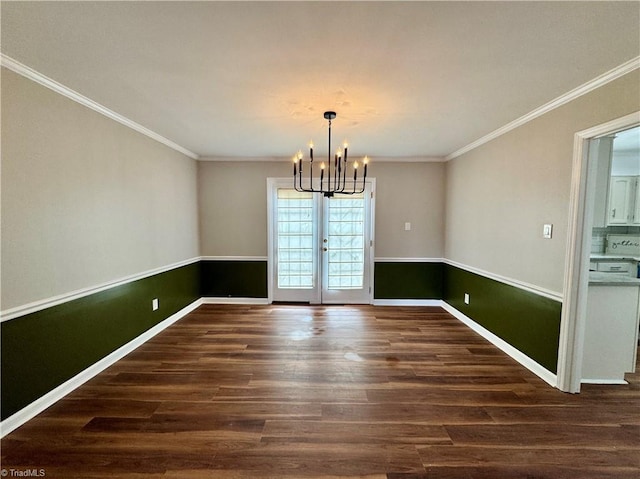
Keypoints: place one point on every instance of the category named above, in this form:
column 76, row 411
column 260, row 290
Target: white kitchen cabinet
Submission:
column 622, row 200
column 611, row 333
column 600, row 152
column 636, row 209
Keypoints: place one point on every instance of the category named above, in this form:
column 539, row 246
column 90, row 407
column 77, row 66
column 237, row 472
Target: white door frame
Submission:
column 576, row 272
column 272, row 184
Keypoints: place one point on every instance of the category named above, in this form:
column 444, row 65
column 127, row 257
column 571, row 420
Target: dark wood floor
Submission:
column 327, row 392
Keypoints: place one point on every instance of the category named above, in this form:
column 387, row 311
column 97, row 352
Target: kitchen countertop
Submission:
column 615, row 257
column 612, row 279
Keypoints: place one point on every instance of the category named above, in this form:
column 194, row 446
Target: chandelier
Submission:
column 335, row 179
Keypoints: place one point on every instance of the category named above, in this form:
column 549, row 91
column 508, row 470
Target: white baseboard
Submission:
column 540, row 371
column 603, row 381
column 407, row 302
column 42, row 403
column 222, row 300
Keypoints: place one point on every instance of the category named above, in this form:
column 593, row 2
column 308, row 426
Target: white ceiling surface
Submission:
column 252, row 79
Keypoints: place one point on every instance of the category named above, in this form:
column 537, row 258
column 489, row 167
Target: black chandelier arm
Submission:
column 338, row 184
column 344, row 175
column 339, row 189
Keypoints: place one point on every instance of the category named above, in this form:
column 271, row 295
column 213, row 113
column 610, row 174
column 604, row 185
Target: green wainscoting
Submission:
column 233, row 279
column 527, row 321
column 44, row 349
column 408, row 280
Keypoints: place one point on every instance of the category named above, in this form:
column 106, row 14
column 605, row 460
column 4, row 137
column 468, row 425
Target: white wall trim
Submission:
column 547, row 293
column 408, row 159
column 543, row 373
column 31, row 74
column 407, row 302
column 234, row 300
column 19, row 418
column 604, row 381
column 409, row 260
column 583, row 89
column 39, row 305
column 287, row 159
column 233, row 258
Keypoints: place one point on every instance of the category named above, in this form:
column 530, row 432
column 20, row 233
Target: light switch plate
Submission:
column 154, row 304
column 407, row 226
column 547, row 231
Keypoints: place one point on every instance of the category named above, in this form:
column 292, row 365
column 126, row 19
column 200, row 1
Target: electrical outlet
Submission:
column 466, row 298
column 155, row 304
column 407, row 226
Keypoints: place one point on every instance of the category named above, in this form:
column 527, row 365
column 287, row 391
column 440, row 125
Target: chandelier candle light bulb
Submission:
column 340, row 166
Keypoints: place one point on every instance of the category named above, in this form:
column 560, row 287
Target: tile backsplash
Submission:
column 599, row 236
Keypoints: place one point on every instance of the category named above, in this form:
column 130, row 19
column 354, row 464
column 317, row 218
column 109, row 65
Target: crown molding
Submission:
column 236, row 159
column 408, row 159
column 583, row 89
column 376, row 159
column 28, row 72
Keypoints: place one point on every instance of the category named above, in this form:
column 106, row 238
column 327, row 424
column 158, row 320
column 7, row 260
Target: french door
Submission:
column 320, row 249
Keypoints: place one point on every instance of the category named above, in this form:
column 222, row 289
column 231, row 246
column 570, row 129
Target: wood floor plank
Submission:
column 328, row 392
column 528, row 435
column 304, row 460
column 518, row 472
column 590, row 457
column 279, row 431
column 280, row 393
column 597, row 415
column 417, row 412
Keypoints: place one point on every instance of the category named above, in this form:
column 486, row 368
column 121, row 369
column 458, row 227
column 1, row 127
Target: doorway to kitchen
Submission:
column 320, row 248
column 583, row 210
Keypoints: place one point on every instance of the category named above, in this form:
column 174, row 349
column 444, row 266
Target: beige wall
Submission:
column 85, row 200
column 499, row 195
column 233, row 207
column 414, row 193
column 232, row 199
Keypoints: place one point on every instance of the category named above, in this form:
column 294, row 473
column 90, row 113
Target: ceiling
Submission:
column 252, row 79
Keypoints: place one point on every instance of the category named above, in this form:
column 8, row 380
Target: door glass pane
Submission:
column 345, row 242
column 294, row 239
